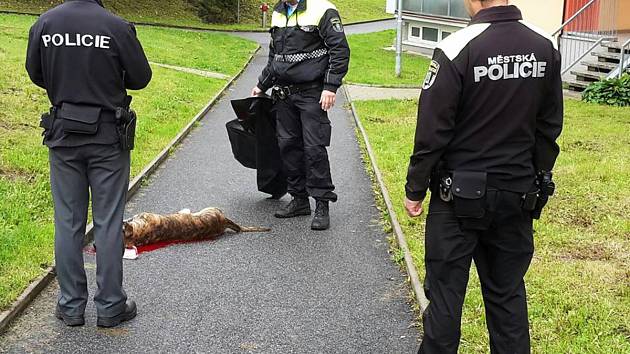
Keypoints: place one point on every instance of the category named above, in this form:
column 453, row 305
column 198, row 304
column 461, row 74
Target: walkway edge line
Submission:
column 412, row 272
column 39, row 284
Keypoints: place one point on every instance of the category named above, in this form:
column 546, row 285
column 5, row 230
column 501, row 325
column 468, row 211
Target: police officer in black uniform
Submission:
column 308, row 58
column 490, row 112
column 85, row 58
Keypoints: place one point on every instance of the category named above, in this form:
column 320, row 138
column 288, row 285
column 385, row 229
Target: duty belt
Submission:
column 299, row 57
column 282, row 92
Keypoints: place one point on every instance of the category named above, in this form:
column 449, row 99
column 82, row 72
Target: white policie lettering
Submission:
column 77, row 40
column 511, row 67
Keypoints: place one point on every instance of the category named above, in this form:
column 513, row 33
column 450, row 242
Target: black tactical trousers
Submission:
column 304, row 132
column 502, row 247
column 101, row 171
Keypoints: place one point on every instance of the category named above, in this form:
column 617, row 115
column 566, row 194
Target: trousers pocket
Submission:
column 469, row 194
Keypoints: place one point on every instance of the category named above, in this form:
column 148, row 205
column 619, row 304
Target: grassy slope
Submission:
column 169, row 103
column 371, row 64
column 216, row 52
column 179, row 12
column 578, row 284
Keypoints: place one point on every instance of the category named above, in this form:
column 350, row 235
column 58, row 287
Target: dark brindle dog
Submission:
column 146, row 228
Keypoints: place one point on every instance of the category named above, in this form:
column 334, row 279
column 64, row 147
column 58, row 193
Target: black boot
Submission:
column 296, row 207
column 70, row 321
column 321, row 221
column 128, row 314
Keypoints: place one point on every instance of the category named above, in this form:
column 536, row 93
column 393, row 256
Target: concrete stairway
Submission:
column 608, row 57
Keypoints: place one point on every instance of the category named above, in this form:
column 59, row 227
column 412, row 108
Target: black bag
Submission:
column 243, row 143
column 469, row 194
column 254, row 143
column 79, row 119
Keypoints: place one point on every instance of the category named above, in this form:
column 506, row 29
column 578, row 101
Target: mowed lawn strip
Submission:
column 579, row 281
column 216, row 52
column 371, row 63
column 26, row 233
column 181, row 13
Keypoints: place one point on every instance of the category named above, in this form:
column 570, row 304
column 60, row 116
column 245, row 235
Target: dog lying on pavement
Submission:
column 146, row 228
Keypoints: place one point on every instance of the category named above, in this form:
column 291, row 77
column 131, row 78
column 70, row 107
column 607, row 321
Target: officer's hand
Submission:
column 328, row 100
column 256, row 91
column 414, row 209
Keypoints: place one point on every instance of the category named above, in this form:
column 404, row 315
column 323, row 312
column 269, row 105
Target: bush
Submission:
column 225, row 11
column 612, row 92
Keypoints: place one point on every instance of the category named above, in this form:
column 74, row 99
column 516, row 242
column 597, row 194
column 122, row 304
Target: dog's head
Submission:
column 127, row 228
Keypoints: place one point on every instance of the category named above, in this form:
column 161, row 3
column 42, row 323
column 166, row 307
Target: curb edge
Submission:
column 412, row 272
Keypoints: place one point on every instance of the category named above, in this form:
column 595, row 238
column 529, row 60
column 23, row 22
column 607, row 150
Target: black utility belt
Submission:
column 85, row 120
column 283, row 91
column 77, row 119
column 467, row 191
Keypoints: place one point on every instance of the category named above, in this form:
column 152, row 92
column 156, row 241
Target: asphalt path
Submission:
column 291, row 290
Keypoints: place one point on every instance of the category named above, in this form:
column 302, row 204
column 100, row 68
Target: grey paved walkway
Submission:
column 288, row 291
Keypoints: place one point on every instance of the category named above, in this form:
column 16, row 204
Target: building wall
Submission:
column 623, row 16
column 546, row 14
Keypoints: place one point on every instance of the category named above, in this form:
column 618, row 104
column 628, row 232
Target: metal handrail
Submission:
column 599, row 41
column 584, row 8
column 622, row 62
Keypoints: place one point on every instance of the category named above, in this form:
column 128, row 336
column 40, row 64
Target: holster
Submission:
column 126, row 124
column 469, row 194
column 536, row 200
column 79, row 119
column 46, row 122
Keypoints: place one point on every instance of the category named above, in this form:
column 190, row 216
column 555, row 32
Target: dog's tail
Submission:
column 238, row 228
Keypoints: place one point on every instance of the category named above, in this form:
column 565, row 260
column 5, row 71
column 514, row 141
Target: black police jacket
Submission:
column 310, row 45
column 80, row 53
column 491, row 101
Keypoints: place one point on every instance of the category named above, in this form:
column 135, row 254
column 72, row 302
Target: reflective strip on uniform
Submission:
column 315, row 10
column 299, row 57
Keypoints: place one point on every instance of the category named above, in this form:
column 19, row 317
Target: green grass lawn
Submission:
column 180, row 13
column 164, row 108
column 217, row 52
column 371, row 64
column 579, row 282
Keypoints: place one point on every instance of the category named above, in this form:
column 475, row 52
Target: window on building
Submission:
column 445, row 34
column 415, row 32
column 448, row 8
column 430, row 34
column 435, row 7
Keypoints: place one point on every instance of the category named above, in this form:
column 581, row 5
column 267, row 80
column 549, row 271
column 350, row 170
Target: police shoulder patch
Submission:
column 336, row 24
column 434, row 68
